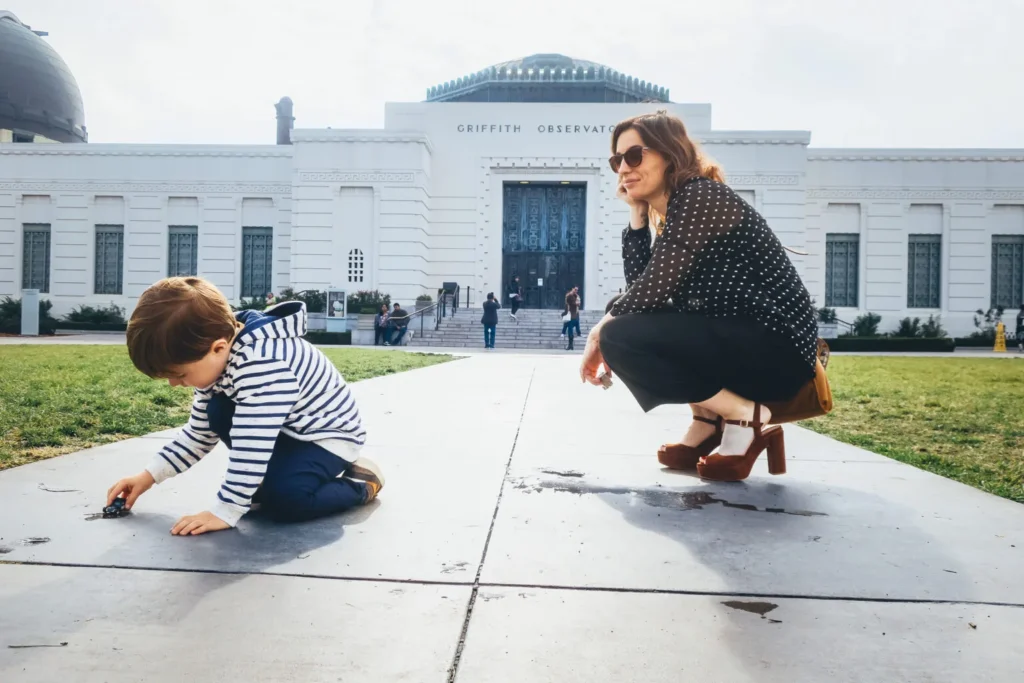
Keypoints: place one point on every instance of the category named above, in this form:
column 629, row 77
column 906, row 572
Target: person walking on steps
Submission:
column 490, row 320
column 514, row 297
column 715, row 284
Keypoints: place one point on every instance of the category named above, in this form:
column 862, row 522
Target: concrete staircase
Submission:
column 536, row 329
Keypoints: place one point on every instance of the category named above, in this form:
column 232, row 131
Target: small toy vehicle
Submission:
column 115, row 510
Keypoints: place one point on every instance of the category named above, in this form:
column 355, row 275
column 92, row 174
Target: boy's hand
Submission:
column 193, row 525
column 132, row 488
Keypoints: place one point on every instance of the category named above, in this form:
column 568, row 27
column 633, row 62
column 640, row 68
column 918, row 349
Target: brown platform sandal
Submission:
column 737, row 467
column 677, row 456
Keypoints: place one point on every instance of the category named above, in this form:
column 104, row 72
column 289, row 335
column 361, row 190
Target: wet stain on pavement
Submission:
column 4, row 550
column 35, row 540
column 569, row 473
column 759, row 608
column 454, row 567
column 655, row 497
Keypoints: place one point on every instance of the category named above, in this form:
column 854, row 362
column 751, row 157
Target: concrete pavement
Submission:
column 526, row 533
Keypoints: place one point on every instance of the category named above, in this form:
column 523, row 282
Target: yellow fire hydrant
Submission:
column 1000, row 337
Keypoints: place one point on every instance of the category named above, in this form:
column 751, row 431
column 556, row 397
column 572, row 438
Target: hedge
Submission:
column 894, row 344
column 339, row 338
column 91, row 327
column 980, row 342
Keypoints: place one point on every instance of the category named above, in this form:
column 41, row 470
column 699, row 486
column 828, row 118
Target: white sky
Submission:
column 865, row 73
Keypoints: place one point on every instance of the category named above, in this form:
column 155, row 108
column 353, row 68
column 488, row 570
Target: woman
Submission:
column 380, row 325
column 714, row 314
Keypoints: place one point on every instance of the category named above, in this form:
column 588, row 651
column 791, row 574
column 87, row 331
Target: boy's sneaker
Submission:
column 368, row 472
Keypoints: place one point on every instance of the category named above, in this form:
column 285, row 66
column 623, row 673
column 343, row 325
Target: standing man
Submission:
column 490, row 320
column 515, row 296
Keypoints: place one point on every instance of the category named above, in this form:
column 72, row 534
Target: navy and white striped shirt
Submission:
column 280, row 383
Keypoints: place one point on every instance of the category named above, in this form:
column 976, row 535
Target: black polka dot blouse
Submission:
column 718, row 257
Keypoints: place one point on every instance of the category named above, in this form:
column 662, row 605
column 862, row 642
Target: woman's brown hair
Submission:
column 666, row 134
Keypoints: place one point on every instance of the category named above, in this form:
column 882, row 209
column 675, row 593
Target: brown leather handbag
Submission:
column 813, row 400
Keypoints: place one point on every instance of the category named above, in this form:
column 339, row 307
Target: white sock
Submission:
column 736, row 440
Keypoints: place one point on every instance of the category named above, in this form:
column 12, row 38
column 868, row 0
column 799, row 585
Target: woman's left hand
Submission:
column 593, row 360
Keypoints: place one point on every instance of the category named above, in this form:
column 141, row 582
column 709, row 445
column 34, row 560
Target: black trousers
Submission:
column 675, row 357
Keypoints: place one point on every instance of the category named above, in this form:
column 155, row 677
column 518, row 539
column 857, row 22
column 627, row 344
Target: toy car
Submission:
column 116, row 509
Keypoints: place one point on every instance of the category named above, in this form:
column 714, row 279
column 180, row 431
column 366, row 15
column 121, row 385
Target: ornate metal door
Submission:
column 543, row 240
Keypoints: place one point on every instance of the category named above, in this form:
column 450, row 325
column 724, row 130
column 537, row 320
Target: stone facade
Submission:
column 419, row 202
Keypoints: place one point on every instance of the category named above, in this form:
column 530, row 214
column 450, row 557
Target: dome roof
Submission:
column 547, row 77
column 38, row 94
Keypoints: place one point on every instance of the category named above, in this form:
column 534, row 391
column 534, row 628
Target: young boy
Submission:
column 275, row 400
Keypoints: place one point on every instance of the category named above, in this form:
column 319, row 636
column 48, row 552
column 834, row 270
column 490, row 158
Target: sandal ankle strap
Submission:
column 755, row 424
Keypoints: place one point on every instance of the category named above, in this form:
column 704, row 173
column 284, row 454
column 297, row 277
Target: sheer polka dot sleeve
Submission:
column 698, row 212
column 636, row 252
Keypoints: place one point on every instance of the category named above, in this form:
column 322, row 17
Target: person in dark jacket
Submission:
column 399, row 320
column 380, row 326
column 490, row 320
column 715, row 284
column 1020, row 329
column 515, row 296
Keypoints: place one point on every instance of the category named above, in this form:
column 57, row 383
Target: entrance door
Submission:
column 543, row 240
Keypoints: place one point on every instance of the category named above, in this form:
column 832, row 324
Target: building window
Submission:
column 842, row 267
column 257, row 261
column 924, row 271
column 109, row 259
column 355, row 265
column 35, row 264
column 1007, row 270
column 183, row 250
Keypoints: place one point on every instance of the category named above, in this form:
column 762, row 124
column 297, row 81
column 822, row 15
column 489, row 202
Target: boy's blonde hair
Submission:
column 176, row 321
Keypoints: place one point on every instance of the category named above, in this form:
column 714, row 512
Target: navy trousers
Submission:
column 302, row 480
column 489, row 331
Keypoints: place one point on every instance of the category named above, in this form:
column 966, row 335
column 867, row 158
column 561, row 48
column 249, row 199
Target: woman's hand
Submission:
column 593, row 360
column 637, row 208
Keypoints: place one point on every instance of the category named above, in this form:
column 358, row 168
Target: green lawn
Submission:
column 59, row 399
column 962, row 418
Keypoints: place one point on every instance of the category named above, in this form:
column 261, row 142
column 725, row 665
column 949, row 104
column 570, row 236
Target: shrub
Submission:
column 254, row 304
column 908, row 327
column 96, row 315
column 932, row 329
column 424, row 297
column 985, row 322
column 368, row 299
column 897, row 344
column 826, row 315
column 368, row 310
column 865, row 326
column 10, row 316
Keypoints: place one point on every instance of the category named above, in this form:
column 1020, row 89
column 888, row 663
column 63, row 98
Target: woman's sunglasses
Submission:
column 632, row 156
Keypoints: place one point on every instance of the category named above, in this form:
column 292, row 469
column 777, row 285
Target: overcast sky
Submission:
column 870, row 73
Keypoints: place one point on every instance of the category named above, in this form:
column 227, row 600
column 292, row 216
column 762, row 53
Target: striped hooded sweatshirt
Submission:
column 281, row 384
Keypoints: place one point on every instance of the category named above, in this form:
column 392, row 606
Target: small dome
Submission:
column 38, row 94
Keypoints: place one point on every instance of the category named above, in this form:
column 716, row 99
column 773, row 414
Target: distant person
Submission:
column 490, row 320
column 399, row 321
column 515, row 297
column 380, row 326
column 1020, row 329
column 278, row 404
column 715, row 285
column 572, row 312
column 271, row 300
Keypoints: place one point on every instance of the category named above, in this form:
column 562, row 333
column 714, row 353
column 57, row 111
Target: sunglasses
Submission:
column 632, row 156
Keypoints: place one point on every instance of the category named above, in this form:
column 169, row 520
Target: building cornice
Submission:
column 936, row 194
column 118, row 150
column 58, row 187
column 337, row 136
column 755, row 137
column 357, row 177
column 926, row 155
